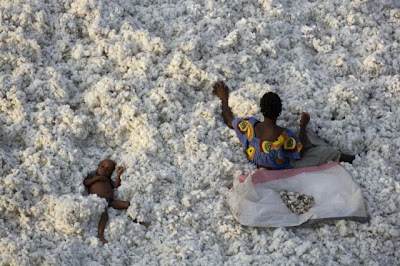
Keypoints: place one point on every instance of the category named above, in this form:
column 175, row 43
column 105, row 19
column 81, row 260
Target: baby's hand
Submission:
column 120, row 170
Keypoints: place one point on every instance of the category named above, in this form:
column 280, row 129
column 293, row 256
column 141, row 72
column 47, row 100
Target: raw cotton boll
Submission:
column 116, row 226
column 269, row 48
column 70, row 213
column 397, row 34
column 167, row 130
column 243, row 106
column 82, row 81
column 11, row 105
column 136, row 212
column 374, row 63
column 82, row 9
column 139, row 65
column 186, row 201
column 128, row 115
column 189, row 46
column 80, row 126
column 143, row 138
column 182, row 69
column 101, row 95
column 296, row 202
column 205, row 111
column 77, row 52
column 6, row 163
column 229, row 40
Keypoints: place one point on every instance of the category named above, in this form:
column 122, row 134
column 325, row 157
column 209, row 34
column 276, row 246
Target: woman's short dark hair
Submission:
column 271, row 105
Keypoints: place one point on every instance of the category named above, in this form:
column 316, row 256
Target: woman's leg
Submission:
column 316, row 156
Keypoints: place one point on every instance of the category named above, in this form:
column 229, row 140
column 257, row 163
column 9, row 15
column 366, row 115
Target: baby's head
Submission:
column 106, row 168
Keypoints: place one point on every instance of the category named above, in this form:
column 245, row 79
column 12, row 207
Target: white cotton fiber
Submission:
column 81, row 81
column 69, row 214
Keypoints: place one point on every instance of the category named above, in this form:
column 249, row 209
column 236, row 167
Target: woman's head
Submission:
column 271, row 105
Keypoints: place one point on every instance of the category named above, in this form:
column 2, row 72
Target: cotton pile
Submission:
column 131, row 80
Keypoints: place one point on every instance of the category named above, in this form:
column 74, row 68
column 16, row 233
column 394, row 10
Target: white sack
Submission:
column 255, row 199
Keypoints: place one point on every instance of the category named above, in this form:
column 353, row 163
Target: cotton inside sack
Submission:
column 255, row 199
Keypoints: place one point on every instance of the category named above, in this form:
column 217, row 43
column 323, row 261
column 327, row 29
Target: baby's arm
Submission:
column 91, row 179
column 117, row 181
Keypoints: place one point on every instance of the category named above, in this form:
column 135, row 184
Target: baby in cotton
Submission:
column 101, row 184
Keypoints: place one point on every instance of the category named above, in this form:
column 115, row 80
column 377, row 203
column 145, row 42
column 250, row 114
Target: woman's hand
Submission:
column 221, row 90
column 305, row 118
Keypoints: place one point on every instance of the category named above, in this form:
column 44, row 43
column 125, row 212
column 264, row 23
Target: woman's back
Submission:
column 267, row 146
column 268, row 132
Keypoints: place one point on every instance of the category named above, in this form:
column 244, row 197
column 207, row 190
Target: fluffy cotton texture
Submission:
column 84, row 80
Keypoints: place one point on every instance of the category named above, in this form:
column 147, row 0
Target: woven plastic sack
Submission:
column 255, row 199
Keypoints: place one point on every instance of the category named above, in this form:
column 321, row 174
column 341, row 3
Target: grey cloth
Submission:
column 317, row 152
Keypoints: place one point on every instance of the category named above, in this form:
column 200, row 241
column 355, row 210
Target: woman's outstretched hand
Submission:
column 221, row 90
column 305, row 118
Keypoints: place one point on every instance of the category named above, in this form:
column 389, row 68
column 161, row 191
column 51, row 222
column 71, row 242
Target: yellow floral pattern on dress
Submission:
column 299, row 146
column 245, row 127
column 273, row 155
column 250, row 152
column 290, row 144
column 267, row 146
column 242, row 126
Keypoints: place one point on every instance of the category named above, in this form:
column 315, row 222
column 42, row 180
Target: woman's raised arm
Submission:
column 222, row 91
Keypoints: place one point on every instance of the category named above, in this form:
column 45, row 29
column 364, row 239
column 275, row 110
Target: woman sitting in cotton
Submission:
column 270, row 146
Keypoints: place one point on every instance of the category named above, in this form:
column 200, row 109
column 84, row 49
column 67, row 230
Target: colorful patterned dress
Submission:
column 266, row 154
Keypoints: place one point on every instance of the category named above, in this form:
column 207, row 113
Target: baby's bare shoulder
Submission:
column 90, row 180
column 102, row 178
column 91, row 175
